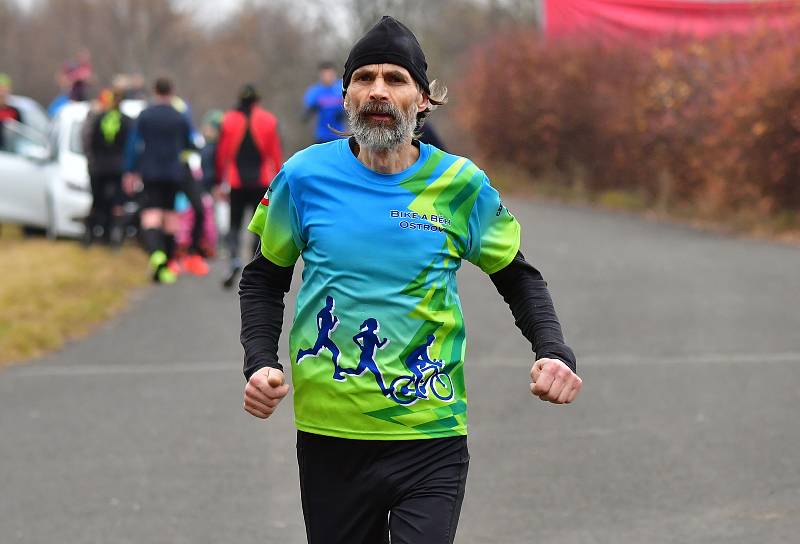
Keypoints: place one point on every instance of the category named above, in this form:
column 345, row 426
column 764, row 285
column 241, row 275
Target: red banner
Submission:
column 655, row 18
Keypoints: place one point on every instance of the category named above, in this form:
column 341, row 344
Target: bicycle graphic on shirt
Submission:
column 426, row 376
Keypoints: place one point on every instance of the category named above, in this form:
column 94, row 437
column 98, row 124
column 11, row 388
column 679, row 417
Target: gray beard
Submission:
column 382, row 137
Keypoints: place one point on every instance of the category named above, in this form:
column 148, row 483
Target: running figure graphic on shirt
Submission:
column 369, row 342
column 326, row 324
column 418, row 361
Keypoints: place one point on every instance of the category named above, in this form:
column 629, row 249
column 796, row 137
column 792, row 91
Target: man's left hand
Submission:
column 554, row 381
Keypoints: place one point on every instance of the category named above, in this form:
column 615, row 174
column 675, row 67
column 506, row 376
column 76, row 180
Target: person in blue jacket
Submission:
column 324, row 99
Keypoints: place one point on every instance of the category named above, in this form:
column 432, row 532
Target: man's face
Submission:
column 5, row 91
column 382, row 103
column 327, row 76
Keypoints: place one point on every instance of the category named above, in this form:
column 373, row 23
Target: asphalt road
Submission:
column 687, row 429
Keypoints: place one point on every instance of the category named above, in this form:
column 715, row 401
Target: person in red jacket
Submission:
column 248, row 157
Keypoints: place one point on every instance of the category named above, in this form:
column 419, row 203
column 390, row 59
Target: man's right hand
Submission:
column 130, row 182
column 264, row 390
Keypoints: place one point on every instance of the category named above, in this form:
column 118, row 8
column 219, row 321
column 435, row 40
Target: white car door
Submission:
column 24, row 171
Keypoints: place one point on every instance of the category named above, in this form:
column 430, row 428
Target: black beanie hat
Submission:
column 389, row 41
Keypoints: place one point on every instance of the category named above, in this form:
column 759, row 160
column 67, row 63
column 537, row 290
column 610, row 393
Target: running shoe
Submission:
column 195, row 264
column 165, row 275
column 160, row 269
column 157, row 260
column 175, row 267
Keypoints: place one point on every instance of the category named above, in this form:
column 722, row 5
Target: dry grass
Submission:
column 52, row 292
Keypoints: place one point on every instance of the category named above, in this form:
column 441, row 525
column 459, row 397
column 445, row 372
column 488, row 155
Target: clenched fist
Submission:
column 553, row 381
column 264, row 390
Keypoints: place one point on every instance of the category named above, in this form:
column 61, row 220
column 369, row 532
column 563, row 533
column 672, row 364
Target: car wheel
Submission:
column 32, row 232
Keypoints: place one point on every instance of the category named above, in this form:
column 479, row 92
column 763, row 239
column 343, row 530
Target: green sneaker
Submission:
column 165, row 275
column 157, row 260
column 158, row 267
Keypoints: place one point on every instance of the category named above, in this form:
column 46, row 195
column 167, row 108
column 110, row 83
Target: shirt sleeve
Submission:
column 494, row 234
column 261, row 293
column 277, row 223
column 190, row 134
column 310, row 98
column 133, row 148
column 525, row 291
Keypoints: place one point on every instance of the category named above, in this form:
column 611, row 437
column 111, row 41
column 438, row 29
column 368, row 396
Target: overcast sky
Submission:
column 210, row 9
column 205, row 9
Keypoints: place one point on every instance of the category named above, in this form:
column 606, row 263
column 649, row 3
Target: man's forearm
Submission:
column 526, row 293
column 261, row 293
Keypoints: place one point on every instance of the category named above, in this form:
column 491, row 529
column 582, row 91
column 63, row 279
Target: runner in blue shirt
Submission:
column 324, row 99
column 382, row 223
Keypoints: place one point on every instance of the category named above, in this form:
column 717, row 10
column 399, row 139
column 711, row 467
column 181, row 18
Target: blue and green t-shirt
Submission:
column 378, row 340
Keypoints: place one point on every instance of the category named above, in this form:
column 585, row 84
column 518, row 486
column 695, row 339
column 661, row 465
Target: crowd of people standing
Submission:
column 156, row 175
column 173, row 173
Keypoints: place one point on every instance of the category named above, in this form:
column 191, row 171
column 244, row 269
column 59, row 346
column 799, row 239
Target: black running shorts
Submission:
column 158, row 194
column 361, row 491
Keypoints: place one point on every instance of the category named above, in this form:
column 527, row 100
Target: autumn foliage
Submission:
column 712, row 126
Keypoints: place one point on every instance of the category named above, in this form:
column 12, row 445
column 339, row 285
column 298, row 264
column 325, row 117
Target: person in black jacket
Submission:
column 104, row 145
column 153, row 158
column 428, row 135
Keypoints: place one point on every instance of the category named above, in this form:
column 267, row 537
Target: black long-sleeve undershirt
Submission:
column 261, row 293
column 526, row 293
column 264, row 285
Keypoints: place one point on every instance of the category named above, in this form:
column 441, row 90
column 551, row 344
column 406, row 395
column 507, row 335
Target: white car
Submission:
column 26, row 168
column 33, row 115
column 44, row 181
